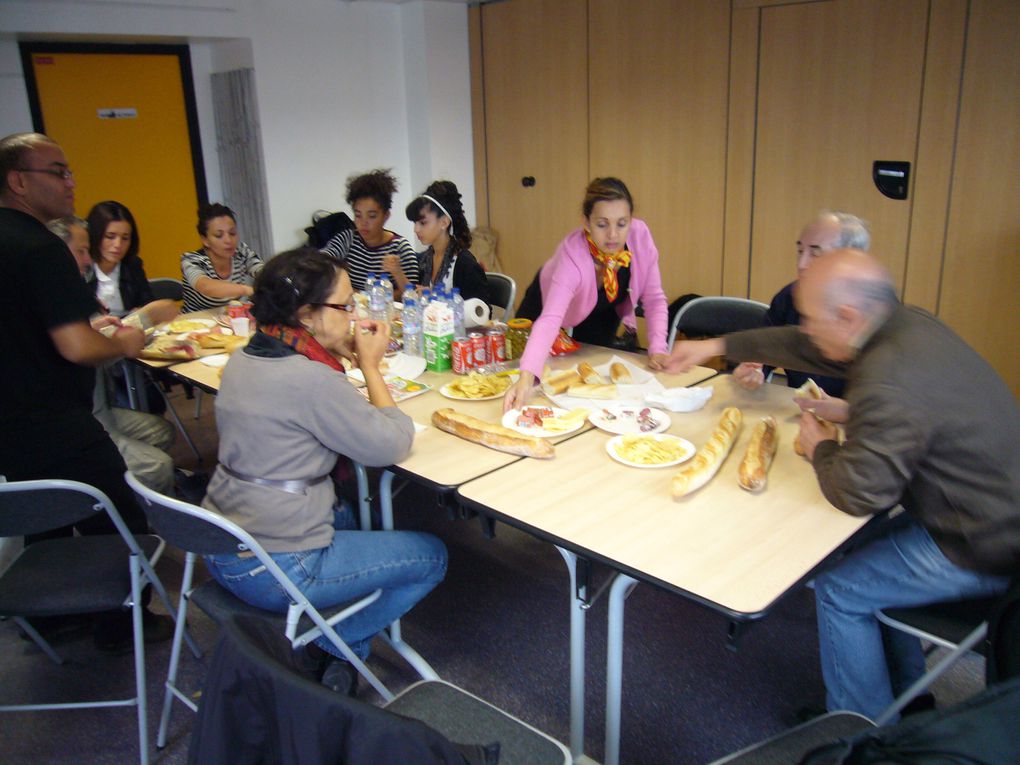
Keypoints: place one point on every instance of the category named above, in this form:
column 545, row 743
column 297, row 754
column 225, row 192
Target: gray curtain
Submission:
column 239, row 144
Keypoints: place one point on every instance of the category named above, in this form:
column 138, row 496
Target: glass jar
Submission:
column 517, row 334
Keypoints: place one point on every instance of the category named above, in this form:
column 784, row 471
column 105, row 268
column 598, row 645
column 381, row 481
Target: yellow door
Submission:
column 839, row 88
column 535, row 62
column 126, row 122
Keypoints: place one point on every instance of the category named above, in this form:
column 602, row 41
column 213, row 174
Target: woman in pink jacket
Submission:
column 597, row 276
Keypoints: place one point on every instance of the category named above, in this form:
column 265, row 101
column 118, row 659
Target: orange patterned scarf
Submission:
column 301, row 340
column 611, row 263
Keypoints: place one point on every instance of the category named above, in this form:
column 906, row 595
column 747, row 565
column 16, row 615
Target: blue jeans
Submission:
column 865, row 664
column 406, row 565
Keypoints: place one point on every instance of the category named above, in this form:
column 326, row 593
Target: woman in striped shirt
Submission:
column 369, row 247
column 224, row 269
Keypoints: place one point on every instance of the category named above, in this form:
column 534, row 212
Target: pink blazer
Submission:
column 570, row 291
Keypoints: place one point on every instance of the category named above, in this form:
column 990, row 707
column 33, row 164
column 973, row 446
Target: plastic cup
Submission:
column 240, row 325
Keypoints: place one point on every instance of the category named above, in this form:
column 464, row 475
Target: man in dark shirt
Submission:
column 828, row 231
column 929, row 425
column 48, row 346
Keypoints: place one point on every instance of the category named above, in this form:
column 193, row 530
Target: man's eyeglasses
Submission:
column 64, row 175
column 346, row 308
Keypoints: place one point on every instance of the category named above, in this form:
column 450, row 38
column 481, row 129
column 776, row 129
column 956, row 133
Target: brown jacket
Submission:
column 931, row 427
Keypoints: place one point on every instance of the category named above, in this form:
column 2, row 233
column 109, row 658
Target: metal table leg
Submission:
column 622, row 587
column 578, row 605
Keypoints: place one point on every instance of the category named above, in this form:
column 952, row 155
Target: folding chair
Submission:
column 960, row 626
column 76, row 574
column 717, row 315
column 257, row 701
column 165, row 288
column 198, row 531
column 503, row 291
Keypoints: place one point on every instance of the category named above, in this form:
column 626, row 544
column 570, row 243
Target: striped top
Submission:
column 360, row 260
column 244, row 267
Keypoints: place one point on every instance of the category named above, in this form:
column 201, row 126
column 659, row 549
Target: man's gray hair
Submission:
column 854, row 233
column 872, row 297
column 62, row 226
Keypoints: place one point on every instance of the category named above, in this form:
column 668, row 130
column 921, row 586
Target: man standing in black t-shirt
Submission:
column 47, row 344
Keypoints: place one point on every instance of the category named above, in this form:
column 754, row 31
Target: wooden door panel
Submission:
column 658, row 93
column 839, row 87
column 534, row 55
column 981, row 278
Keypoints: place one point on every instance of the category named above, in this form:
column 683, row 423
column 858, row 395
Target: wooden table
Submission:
column 734, row 551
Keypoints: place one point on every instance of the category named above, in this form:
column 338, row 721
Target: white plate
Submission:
column 510, row 421
column 689, row 451
column 445, row 391
column 219, row 360
column 397, row 365
column 627, row 419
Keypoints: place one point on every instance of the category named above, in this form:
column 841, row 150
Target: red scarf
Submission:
column 611, row 263
column 301, row 340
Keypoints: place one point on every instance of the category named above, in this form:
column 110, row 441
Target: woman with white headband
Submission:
column 439, row 222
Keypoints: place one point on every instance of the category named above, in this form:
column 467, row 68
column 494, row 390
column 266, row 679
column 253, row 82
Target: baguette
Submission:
column 754, row 469
column 710, row 457
column 809, row 389
column 584, row 390
column 619, row 373
column 491, row 435
column 554, row 383
column 588, row 374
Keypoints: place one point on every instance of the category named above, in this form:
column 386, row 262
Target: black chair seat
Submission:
column 468, row 719
column 219, row 604
column 70, row 575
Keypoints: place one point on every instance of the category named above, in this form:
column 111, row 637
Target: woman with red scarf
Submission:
column 593, row 282
column 285, row 413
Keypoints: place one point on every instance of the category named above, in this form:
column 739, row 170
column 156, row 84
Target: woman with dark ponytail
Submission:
column 439, row 222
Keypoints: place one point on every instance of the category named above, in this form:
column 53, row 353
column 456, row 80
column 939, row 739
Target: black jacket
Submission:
column 134, row 284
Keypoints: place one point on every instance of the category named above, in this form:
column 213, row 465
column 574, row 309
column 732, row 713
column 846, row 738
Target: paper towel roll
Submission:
column 476, row 313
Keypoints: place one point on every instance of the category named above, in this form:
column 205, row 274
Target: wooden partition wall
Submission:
column 734, row 123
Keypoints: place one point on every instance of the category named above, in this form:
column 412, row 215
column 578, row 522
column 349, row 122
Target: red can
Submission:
column 462, row 356
column 236, row 309
column 480, row 346
column 497, row 346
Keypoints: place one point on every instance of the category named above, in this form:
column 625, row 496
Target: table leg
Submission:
column 410, row 655
column 578, row 604
column 622, row 587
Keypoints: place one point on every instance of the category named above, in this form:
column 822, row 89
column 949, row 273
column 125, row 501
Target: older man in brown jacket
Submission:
column 929, row 425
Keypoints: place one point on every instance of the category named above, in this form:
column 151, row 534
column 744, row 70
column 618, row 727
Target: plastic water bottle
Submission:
column 411, row 317
column 458, row 313
column 387, row 286
column 377, row 309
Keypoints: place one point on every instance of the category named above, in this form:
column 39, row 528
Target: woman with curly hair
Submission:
column 439, row 223
column 370, row 248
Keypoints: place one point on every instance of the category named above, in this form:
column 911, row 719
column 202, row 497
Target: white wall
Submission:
column 342, row 87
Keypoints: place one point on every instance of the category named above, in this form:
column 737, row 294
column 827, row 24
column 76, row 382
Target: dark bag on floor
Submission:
column 984, row 730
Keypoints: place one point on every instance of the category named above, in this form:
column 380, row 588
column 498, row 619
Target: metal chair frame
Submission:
column 140, row 567
column 744, row 311
column 222, row 535
column 501, row 282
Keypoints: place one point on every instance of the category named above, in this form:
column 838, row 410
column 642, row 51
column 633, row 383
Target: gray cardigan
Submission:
column 288, row 418
column 931, row 426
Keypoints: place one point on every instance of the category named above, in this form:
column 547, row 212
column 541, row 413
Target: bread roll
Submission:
column 809, row 389
column 491, row 435
column 754, row 469
column 588, row 374
column 554, row 383
column 619, row 373
column 710, row 457
column 592, row 391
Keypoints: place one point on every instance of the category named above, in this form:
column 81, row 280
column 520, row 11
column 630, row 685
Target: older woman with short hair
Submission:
column 285, row 412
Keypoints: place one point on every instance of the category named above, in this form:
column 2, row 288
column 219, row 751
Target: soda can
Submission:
column 462, row 355
column 497, row 346
column 480, row 346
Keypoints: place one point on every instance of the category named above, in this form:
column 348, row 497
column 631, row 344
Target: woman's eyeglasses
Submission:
column 345, row 307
